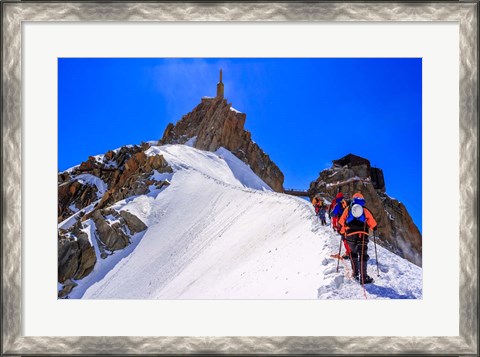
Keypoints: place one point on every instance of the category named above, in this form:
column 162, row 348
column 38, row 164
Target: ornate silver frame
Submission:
column 14, row 13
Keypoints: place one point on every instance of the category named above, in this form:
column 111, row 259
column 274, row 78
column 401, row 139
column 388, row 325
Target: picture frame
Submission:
column 14, row 13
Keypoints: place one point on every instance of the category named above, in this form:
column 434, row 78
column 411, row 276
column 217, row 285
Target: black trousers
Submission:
column 358, row 244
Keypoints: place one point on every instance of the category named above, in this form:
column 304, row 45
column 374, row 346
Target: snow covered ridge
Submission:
column 140, row 170
column 221, row 165
column 214, row 123
column 215, row 231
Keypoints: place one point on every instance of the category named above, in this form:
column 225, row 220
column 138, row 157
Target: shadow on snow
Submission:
column 385, row 292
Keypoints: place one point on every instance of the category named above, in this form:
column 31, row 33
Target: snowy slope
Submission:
column 219, row 232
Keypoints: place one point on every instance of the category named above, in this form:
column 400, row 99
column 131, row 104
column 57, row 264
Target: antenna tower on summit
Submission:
column 220, row 87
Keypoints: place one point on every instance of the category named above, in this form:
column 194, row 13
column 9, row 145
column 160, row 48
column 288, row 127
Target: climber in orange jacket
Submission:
column 354, row 223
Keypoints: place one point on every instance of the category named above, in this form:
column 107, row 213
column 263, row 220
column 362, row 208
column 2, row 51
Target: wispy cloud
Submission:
column 182, row 83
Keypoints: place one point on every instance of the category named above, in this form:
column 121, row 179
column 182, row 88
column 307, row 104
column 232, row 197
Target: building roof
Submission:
column 352, row 160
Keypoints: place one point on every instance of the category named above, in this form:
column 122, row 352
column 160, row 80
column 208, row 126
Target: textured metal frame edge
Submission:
column 14, row 13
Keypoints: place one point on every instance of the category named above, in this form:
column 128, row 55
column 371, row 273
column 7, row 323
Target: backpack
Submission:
column 339, row 208
column 357, row 212
column 356, row 216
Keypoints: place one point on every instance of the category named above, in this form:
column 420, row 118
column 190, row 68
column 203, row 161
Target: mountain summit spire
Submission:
column 220, row 87
column 214, row 123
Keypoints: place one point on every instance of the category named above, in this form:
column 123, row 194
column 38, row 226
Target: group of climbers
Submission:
column 320, row 209
column 352, row 220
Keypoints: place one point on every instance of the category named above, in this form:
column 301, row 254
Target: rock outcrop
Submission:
column 72, row 196
column 134, row 224
column 123, row 173
column 87, row 192
column 114, row 229
column 396, row 229
column 111, row 235
column 213, row 124
column 76, row 256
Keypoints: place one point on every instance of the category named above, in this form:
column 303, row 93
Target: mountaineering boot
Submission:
column 367, row 279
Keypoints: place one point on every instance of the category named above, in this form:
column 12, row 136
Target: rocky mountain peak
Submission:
column 214, row 123
column 396, row 229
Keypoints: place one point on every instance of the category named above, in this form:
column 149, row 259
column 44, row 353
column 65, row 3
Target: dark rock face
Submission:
column 115, row 236
column 112, row 236
column 76, row 256
column 73, row 195
column 87, row 257
column 134, row 224
column 215, row 124
column 68, row 254
column 68, row 285
column 396, row 229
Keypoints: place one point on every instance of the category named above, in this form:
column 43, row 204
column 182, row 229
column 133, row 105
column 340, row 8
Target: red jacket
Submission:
column 332, row 205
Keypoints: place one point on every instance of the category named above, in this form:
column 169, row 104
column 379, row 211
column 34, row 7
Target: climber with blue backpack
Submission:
column 354, row 223
column 339, row 205
column 338, row 209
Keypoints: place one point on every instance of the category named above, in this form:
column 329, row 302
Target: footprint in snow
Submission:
column 338, row 281
column 330, row 270
column 334, row 284
column 383, row 268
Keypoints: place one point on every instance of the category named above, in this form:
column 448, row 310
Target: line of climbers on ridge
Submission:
column 352, row 220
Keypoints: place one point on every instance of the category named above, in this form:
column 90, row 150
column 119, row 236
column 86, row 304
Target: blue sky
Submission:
column 303, row 113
